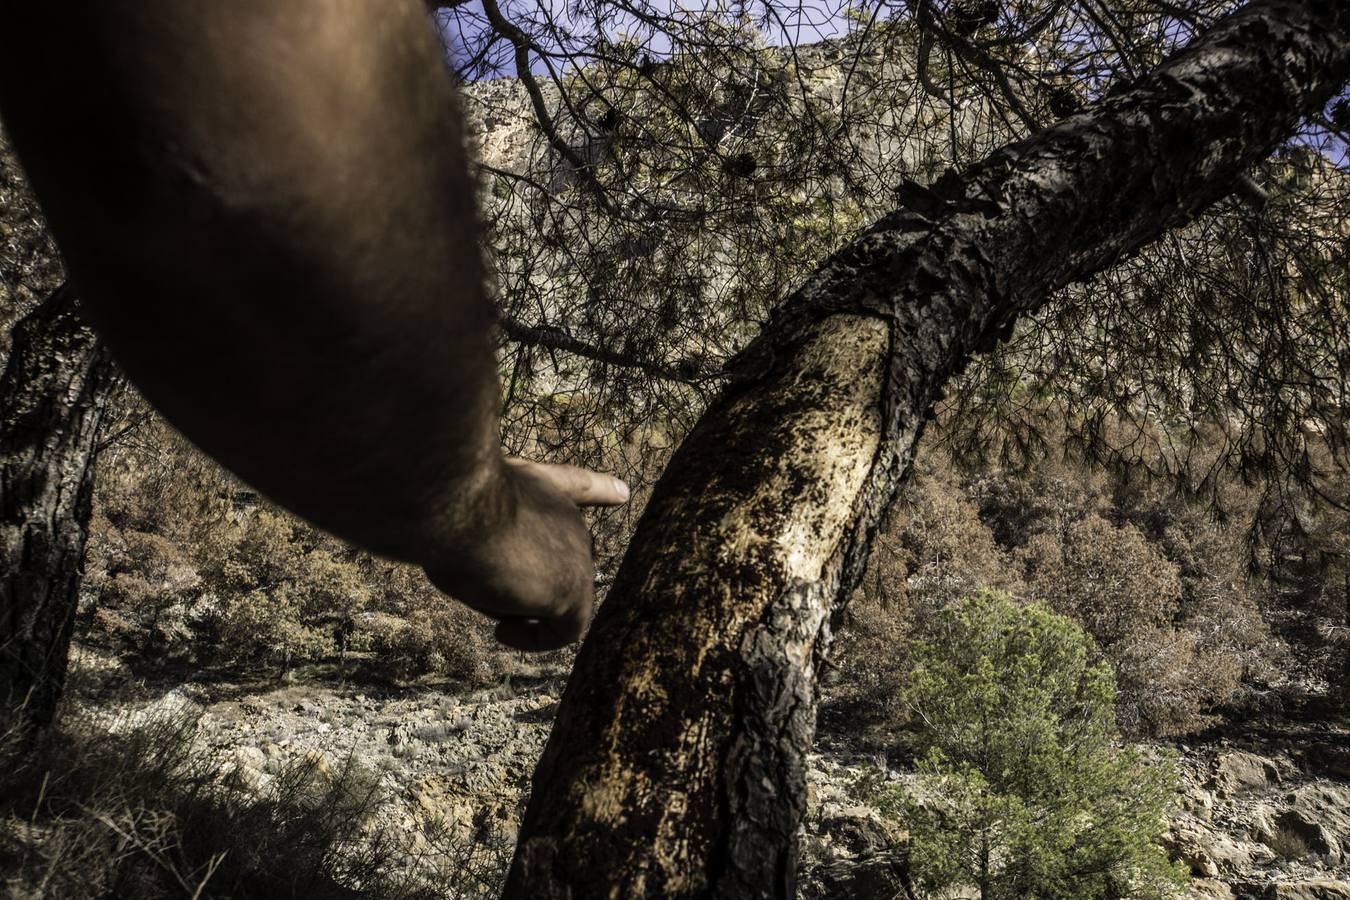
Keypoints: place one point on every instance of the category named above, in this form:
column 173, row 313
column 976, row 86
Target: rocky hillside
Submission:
column 1265, row 815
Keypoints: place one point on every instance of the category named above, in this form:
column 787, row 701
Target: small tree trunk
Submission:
column 676, row 766
column 1343, row 689
column 52, row 397
column 986, row 892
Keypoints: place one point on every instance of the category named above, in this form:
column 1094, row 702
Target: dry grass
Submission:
column 1289, row 844
column 139, row 808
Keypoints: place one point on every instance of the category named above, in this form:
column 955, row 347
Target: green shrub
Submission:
column 1024, row 791
column 1155, row 578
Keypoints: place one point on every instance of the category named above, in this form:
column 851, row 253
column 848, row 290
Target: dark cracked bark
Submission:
column 52, row 397
column 676, row 764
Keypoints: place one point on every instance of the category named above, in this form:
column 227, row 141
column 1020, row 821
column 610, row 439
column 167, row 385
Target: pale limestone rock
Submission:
column 1188, row 842
column 1259, row 821
column 1209, row 889
column 1312, row 889
column 1198, row 801
column 1239, row 771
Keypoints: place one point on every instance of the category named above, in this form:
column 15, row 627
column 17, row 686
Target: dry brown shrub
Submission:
column 1128, row 596
column 1111, row 580
column 1167, row 685
column 234, row 580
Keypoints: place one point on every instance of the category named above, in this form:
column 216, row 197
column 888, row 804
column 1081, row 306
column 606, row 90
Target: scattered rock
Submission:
column 1320, row 816
column 1239, row 772
column 1313, row 889
column 1249, row 827
column 247, row 779
column 249, row 758
column 1209, row 889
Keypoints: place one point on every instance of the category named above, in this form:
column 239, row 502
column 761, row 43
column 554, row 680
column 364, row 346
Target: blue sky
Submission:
column 779, row 24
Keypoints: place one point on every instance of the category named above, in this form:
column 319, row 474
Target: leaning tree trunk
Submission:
column 676, row 764
column 52, row 397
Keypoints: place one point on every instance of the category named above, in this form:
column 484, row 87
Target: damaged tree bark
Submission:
column 52, row 398
column 676, row 764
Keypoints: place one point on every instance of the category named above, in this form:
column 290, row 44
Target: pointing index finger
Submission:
column 582, row 486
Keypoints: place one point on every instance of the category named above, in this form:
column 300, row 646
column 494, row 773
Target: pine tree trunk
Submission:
column 676, row 765
column 52, row 397
column 986, row 892
column 1343, row 689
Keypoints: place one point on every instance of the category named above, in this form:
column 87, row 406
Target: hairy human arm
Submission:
column 267, row 210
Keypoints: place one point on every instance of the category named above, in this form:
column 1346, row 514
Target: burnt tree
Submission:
column 52, row 398
column 676, row 764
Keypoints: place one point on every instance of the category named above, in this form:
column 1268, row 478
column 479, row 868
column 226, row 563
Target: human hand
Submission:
column 531, row 569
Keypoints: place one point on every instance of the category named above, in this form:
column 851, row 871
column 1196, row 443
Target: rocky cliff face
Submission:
column 722, row 188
